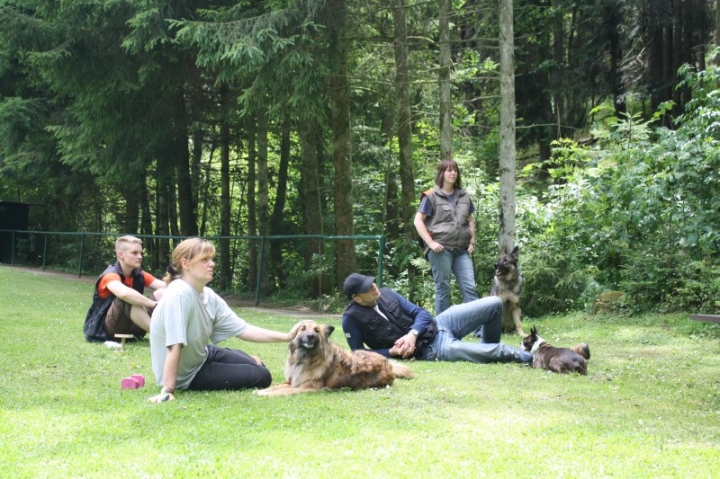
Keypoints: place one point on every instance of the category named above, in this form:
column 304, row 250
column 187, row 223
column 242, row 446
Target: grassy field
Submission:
column 649, row 407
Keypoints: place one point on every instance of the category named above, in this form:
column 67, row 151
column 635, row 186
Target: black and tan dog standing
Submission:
column 558, row 360
column 508, row 285
column 315, row 363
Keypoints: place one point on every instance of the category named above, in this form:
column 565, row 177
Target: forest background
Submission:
column 171, row 118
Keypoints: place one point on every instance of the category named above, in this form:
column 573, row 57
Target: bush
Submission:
column 638, row 212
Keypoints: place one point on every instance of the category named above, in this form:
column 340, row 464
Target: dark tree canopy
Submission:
column 321, row 117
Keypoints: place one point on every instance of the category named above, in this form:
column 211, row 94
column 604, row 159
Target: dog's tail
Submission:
column 400, row 370
column 582, row 349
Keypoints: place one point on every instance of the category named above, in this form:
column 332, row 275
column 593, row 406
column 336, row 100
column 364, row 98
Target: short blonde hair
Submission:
column 122, row 241
column 191, row 249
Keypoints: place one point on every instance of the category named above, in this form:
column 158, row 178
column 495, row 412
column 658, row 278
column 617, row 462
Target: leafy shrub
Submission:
column 637, row 211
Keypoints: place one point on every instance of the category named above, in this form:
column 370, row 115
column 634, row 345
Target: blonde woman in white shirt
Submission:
column 187, row 323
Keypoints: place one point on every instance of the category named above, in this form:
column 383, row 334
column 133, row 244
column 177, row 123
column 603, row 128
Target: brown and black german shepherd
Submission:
column 315, row 364
column 508, row 286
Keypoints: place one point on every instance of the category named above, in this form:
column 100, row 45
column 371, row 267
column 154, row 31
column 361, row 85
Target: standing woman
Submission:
column 444, row 221
column 189, row 317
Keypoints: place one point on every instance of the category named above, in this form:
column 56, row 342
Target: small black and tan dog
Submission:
column 508, row 286
column 558, row 360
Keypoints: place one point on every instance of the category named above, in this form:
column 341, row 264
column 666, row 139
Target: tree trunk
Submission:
column 340, row 98
column 277, row 223
column 225, row 211
column 392, row 215
column 717, row 30
column 677, row 49
column 699, row 14
column 263, row 208
column 613, row 23
column 252, row 212
column 161, row 227
column 203, row 199
column 404, row 124
column 668, row 75
column 656, row 60
column 556, row 74
column 172, row 208
column 146, row 228
column 186, row 206
column 313, row 208
column 444, row 77
column 506, row 237
column 132, row 206
column 195, row 173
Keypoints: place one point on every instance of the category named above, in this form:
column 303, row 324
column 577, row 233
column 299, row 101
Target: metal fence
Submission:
column 89, row 250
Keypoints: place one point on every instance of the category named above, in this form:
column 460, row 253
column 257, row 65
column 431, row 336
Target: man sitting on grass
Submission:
column 119, row 305
column 394, row 327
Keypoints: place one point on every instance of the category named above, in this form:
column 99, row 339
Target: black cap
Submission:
column 357, row 283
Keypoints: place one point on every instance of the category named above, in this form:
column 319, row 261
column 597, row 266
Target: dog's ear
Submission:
column 516, row 253
column 533, row 331
column 328, row 330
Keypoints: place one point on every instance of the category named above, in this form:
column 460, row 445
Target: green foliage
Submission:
column 270, row 48
column 98, row 96
column 420, row 289
column 636, row 212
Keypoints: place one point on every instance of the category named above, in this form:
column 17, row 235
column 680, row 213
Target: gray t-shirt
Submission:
column 183, row 316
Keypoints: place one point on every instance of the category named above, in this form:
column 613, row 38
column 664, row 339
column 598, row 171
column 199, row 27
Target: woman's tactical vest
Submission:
column 448, row 224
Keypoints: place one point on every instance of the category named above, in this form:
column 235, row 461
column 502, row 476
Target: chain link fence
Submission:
column 298, row 265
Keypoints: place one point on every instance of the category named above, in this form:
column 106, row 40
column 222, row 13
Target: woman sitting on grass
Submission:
column 189, row 317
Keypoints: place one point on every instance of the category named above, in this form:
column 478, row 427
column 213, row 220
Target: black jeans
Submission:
column 230, row 369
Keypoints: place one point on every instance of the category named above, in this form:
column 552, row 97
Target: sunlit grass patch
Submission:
column 649, row 406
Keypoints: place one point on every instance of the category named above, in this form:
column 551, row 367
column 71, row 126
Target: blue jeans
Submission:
column 463, row 319
column 459, row 263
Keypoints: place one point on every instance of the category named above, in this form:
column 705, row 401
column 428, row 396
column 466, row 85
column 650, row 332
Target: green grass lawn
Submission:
column 649, row 406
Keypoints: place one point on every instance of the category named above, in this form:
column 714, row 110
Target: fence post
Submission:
column 45, row 235
column 12, row 248
column 82, row 246
column 381, row 260
column 260, row 270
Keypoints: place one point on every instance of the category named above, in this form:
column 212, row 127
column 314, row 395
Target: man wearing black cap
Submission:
column 389, row 324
